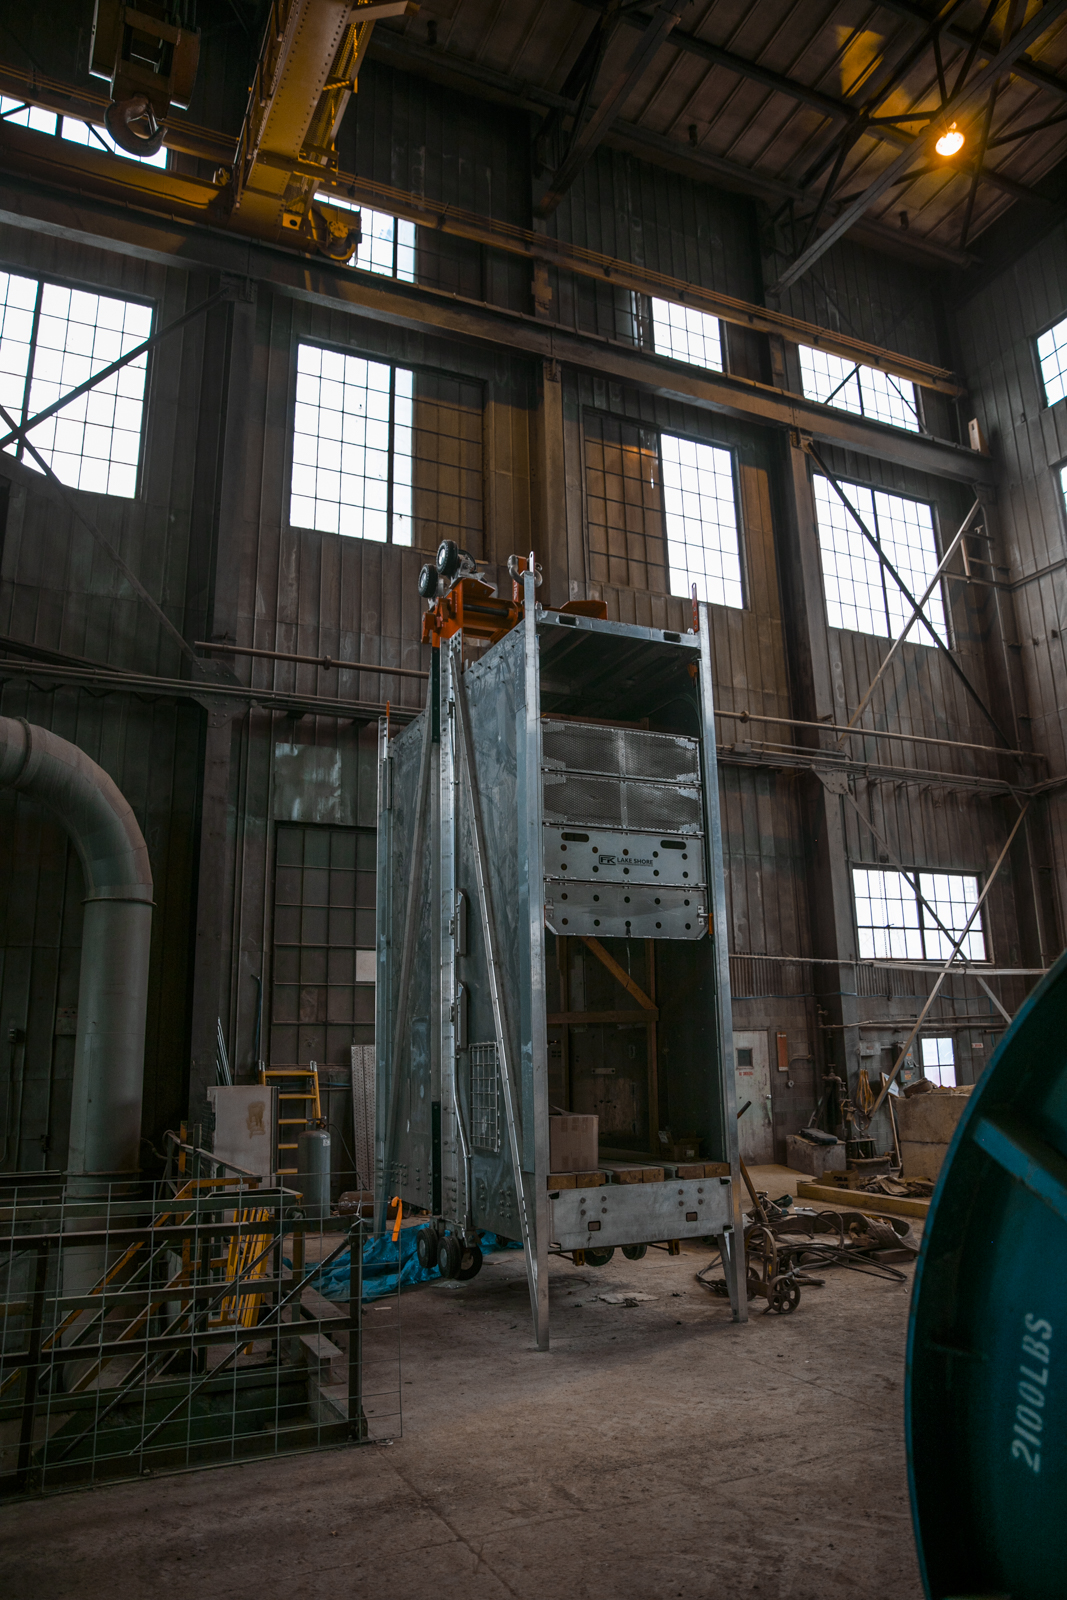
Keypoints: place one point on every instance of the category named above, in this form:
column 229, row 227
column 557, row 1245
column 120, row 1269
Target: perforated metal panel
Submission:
column 610, row 855
column 621, row 752
column 654, row 807
column 621, row 777
column 580, row 747
column 618, row 803
column 659, row 755
column 582, row 801
column 626, row 911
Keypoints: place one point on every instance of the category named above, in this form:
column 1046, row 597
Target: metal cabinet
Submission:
column 548, row 828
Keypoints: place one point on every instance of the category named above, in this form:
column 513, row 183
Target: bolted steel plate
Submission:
column 626, row 911
column 621, row 856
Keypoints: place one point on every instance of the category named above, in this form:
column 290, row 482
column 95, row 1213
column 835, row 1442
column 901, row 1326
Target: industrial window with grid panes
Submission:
column 861, row 594
column 52, row 338
column 864, row 390
column 387, row 245
column 938, row 1057
column 686, row 335
column 700, row 520
column 920, row 920
column 1052, row 359
column 352, row 446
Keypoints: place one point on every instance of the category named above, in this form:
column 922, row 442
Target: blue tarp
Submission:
column 384, row 1260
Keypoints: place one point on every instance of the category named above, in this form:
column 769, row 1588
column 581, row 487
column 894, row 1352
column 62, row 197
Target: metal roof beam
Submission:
column 1022, row 66
column 829, row 105
column 586, row 136
column 472, row 77
column 970, row 94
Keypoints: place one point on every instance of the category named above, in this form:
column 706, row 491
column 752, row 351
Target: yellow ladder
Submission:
column 309, row 1095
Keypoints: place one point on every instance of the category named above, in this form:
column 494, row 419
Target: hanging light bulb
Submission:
column 950, row 141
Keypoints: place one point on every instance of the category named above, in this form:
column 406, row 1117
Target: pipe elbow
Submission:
column 87, row 802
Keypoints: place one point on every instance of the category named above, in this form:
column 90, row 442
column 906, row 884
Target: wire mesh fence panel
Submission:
column 177, row 1323
column 485, row 1097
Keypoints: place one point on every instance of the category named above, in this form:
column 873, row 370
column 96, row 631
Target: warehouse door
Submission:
column 753, row 1070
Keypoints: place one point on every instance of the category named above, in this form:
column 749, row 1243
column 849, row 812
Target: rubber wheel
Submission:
column 448, row 558
column 449, row 1256
column 634, row 1252
column 599, row 1258
column 426, row 1248
column 470, row 1264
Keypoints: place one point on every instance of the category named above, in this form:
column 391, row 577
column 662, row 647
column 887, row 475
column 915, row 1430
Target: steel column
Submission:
column 509, row 1080
column 718, row 931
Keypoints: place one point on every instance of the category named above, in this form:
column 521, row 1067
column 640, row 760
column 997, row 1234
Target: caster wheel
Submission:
column 426, row 1248
column 599, row 1258
column 784, row 1297
column 449, row 1256
column 470, row 1264
column 634, row 1252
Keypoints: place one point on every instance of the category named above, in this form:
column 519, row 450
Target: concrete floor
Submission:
column 657, row 1452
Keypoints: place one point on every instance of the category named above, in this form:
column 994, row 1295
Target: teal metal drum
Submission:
column 986, row 1398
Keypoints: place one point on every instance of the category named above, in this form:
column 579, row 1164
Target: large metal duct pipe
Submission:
column 105, row 1118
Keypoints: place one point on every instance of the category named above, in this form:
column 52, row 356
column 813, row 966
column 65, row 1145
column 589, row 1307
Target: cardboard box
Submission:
column 573, row 1144
column 685, row 1148
column 803, row 1156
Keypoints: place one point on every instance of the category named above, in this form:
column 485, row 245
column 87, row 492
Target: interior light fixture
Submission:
column 950, row 141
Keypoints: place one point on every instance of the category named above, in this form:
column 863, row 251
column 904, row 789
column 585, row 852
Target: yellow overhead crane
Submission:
column 308, row 65
column 306, row 74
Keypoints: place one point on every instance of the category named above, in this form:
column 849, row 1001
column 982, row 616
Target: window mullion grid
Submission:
column 662, row 504
column 853, row 373
column 922, row 916
column 389, row 458
column 881, row 568
column 912, row 405
column 20, row 449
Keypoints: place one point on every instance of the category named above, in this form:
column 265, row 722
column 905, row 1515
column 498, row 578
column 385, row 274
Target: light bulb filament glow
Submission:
column 950, row 142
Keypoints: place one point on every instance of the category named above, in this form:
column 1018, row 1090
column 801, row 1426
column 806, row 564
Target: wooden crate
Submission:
column 631, row 1172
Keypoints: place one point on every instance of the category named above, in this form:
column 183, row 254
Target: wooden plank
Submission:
column 889, row 1205
column 620, row 973
column 577, row 1180
column 697, row 1169
column 625, row 1172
